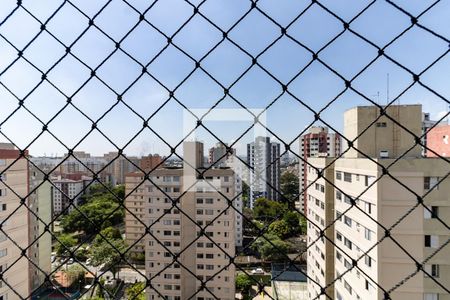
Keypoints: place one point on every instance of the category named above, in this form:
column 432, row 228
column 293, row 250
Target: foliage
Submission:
column 75, row 273
column 289, row 183
column 136, row 291
column 137, row 257
column 95, row 212
column 271, row 248
column 243, row 283
column 108, row 252
column 292, row 219
column 280, row 228
column 65, row 241
column 266, row 210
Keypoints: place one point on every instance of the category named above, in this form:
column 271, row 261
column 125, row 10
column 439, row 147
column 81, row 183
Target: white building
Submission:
column 263, row 157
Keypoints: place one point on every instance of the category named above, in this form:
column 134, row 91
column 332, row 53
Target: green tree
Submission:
column 267, row 210
column 64, row 242
column 243, row 283
column 280, row 228
column 75, row 273
column 108, row 252
column 92, row 215
column 136, row 291
column 292, row 219
column 271, row 248
column 289, row 183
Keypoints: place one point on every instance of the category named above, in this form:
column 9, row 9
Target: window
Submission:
column 167, row 232
column 431, row 241
column 338, row 256
column 432, row 270
column 348, row 221
column 3, row 252
column 381, row 124
column 339, row 236
column 347, row 264
column 431, row 215
column 209, row 201
column 199, row 200
column 348, row 243
column 347, row 177
column 338, row 175
column 368, row 207
column 226, row 178
column 338, row 196
column 367, row 234
column 430, row 296
column 348, row 287
column 430, row 183
column 368, row 260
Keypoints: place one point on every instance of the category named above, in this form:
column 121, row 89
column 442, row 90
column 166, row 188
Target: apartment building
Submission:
column 40, row 204
column 438, row 140
column 427, row 125
column 15, row 222
column 200, row 230
column 317, row 142
column 366, row 202
column 150, row 162
column 263, row 158
column 218, row 155
column 66, row 192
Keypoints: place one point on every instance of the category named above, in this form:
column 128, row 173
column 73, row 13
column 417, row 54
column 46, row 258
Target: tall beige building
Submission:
column 40, row 204
column 199, row 231
column 14, row 219
column 364, row 203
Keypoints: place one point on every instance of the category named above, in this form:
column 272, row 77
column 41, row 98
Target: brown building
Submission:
column 151, row 162
column 438, row 140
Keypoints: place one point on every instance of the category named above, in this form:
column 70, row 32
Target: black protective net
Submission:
column 44, row 51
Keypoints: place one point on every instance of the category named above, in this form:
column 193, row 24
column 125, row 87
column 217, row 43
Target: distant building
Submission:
column 427, row 123
column 150, row 162
column 218, row 155
column 67, row 192
column 318, row 142
column 263, row 157
column 438, row 140
column 289, row 282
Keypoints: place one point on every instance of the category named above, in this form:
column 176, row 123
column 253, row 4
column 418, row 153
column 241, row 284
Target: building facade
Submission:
column 191, row 219
column 263, row 158
column 15, row 221
column 360, row 201
column 438, row 141
column 66, row 192
column 218, row 155
column 318, row 142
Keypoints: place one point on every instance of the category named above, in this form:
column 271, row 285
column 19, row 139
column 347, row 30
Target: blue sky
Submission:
column 316, row 86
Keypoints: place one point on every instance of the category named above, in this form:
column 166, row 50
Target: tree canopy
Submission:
column 271, row 248
column 92, row 215
column 289, row 184
column 136, row 291
column 108, row 250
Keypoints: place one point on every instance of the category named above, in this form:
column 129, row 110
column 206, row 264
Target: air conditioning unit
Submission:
column 384, row 154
